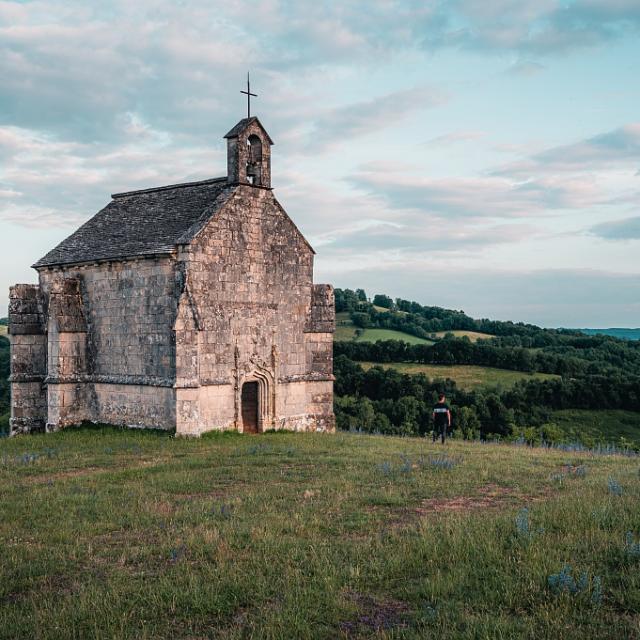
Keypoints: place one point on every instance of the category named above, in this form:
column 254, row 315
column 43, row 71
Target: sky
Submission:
column 472, row 154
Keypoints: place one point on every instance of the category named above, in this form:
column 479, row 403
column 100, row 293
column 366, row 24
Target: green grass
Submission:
column 129, row 534
column 385, row 310
column 346, row 331
column 374, row 335
column 599, row 426
column 466, row 376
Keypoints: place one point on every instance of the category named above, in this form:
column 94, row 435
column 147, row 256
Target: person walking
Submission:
column 441, row 419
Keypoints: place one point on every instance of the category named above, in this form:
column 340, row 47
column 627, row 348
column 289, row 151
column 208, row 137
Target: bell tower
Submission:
column 249, row 154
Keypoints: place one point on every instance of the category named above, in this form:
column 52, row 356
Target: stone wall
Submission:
column 111, row 342
column 255, row 314
column 28, row 354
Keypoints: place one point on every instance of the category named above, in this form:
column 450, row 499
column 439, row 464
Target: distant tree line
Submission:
column 572, row 361
column 388, row 401
column 422, row 321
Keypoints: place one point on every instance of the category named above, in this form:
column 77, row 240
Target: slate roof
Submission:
column 140, row 223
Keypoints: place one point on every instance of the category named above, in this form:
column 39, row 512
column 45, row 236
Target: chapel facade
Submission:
column 189, row 307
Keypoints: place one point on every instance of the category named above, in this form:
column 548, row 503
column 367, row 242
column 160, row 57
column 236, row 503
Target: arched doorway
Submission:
column 250, row 405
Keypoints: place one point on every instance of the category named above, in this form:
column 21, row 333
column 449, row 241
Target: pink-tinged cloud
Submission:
column 478, row 197
column 615, row 148
column 448, row 139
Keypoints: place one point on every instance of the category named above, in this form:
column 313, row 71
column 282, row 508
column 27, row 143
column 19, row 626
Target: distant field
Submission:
column 346, row 331
column 472, row 335
column 374, row 335
column 385, row 310
column 3, row 329
column 599, row 426
column 465, row 376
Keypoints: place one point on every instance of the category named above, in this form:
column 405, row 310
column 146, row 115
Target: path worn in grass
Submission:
column 125, row 534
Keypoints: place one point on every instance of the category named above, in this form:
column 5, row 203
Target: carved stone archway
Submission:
column 265, row 398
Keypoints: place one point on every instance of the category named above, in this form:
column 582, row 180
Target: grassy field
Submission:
column 385, row 310
column 346, row 331
column 3, row 329
column 465, row 376
column 374, row 335
column 116, row 534
column 474, row 336
column 599, row 426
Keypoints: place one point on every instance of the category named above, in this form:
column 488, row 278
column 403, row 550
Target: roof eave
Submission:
column 123, row 258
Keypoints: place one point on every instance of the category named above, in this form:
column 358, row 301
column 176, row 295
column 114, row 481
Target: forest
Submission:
column 596, row 372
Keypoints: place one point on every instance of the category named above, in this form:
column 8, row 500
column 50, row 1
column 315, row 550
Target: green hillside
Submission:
column 346, row 330
column 313, row 536
column 375, row 335
column 465, row 376
column 594, row 426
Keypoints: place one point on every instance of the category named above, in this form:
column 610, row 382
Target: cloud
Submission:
column 599, row 170
column 448, row 139
column 476, row 197
column 362, row 117
column 620, row 144
column 531, row 27
column 525, row 68
column 348, row 225
column 47, row 181
column 625, row 229
column 332, row 126
column 596, row 171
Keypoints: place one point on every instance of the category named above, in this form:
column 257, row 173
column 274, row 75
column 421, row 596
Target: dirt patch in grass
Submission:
column 126, row 465
column 489, row 496
column 197, row 495
column 61, row 585
column 374, row 614
column 164, row 508
column 63, row 475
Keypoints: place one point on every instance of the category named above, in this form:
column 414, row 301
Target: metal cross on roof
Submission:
column 249, row 94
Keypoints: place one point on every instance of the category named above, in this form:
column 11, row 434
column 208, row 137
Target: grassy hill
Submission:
column 465, row 376
column 129, row 534
column 594, row 427
column 346, row 330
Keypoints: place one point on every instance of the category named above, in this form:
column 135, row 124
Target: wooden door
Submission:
column 250, row 407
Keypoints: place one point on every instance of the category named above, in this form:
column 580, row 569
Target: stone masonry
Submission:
column 190, row 307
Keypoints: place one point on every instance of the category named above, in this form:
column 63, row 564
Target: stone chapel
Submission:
column 189, row 307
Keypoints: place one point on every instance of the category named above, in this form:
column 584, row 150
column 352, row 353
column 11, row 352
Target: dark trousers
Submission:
column 440, row 431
